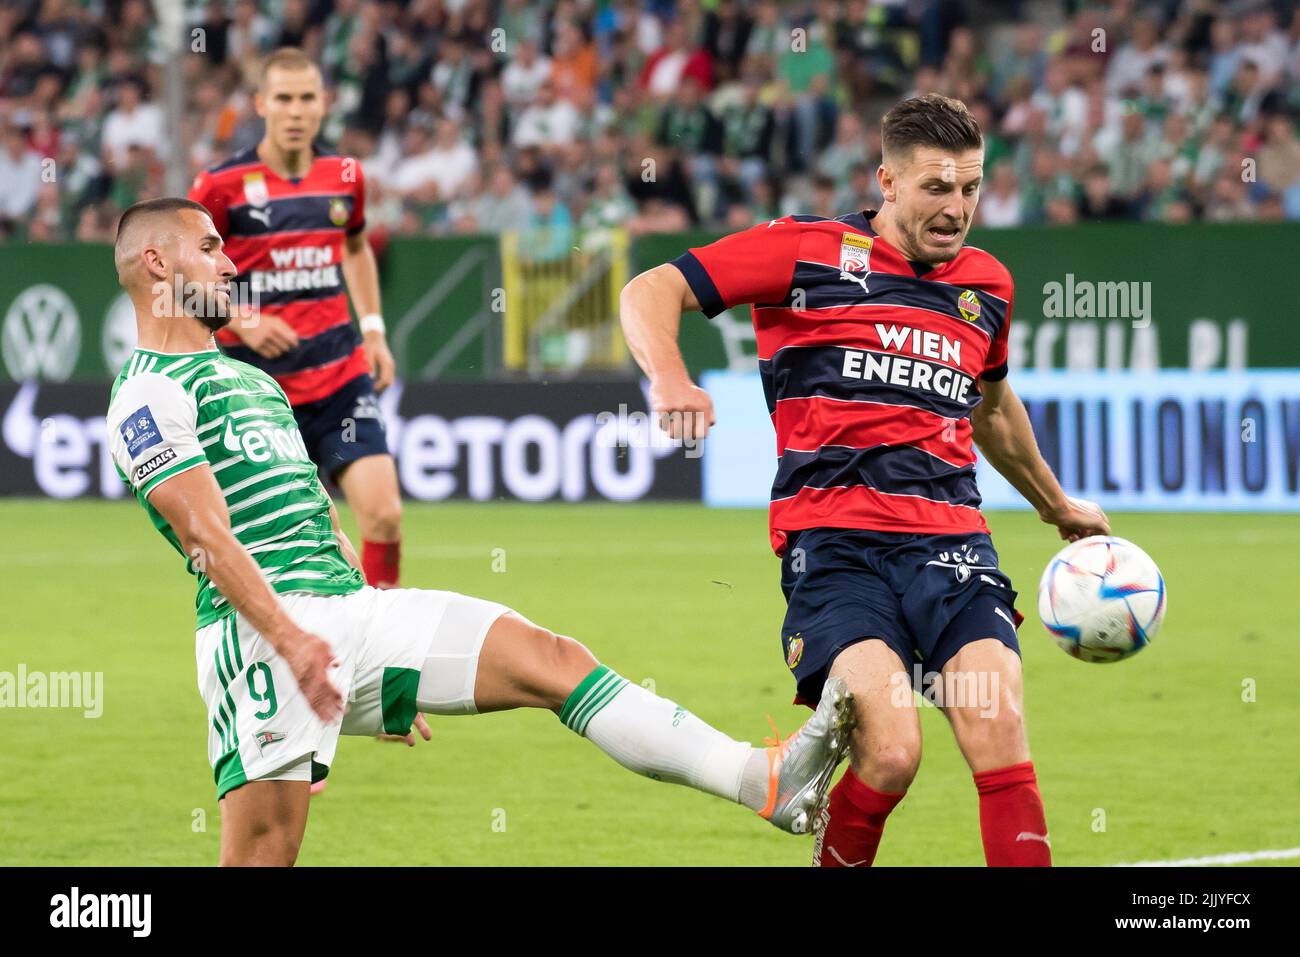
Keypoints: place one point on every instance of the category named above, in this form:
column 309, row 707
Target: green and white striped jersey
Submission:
column 169, row 413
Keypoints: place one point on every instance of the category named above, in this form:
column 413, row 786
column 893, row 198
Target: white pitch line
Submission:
column 1239, row 857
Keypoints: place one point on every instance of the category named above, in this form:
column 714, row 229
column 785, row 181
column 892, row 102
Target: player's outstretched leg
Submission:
column 262, row 823
column 991, row 735
column 522, row 665
column 885, row 753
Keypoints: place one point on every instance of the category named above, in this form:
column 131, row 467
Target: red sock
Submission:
column 379, row 562
column 1011, row 817
column 852, row 823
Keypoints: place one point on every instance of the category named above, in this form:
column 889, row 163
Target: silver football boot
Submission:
column 802, row 766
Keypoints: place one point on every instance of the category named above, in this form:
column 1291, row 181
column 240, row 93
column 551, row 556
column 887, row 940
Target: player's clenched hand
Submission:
column 1078, row 518
column 268, row 336
column 310, row 659
column 420, row 725
column 380, row 359
column 682, row 409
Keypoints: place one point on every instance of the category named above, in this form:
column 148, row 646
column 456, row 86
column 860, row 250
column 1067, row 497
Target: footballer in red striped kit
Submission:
column 293, row 218
column 882, row 346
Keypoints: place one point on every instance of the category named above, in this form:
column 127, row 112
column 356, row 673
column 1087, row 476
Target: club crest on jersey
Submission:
column 338, row 211
column 255, row 191
column 265, row 738
column 968, row 304
column 794, row 651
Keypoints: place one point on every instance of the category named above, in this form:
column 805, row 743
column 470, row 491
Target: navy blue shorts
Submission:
column 343, row 427
column 924, row 595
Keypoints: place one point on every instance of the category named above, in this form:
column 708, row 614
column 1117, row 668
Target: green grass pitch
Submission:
column 1162, row 749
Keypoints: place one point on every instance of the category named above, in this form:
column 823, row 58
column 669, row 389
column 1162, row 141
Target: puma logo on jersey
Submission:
column 1030, row 836
column 263, row 216
column 860, row 280
column 263, row 444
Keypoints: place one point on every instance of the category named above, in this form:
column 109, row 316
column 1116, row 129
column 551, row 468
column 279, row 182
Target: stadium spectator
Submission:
column 548, row 121
column 748, row 128
column 726, row 34
column 740, row 106
column 674, row 61
column 848, row 150
column 1229, row 199
column 574, row 68
column 1279, row 158
column 610, row 205
column 548, row 233
column 1134, row 58
column 1000, row 199
column 20, row 172
column 525, row 74
column 503, row 205
column 250, row 34
column 133, row 123
column 435, row 166
column 1098, row 201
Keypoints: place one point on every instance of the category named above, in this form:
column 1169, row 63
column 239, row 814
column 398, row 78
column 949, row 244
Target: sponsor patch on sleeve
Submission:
column 146, row 469
column 139, row 431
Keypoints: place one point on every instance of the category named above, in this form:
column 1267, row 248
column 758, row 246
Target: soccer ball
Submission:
column 1102, row 598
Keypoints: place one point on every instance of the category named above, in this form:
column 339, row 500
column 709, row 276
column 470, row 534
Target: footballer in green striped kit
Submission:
column 286, row 630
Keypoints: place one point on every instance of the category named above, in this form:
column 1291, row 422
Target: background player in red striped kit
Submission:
column 882, row 344
column 293, row 218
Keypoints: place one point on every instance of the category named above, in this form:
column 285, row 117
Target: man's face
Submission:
column 293, row 104
column 204, row 270
column 934, row 193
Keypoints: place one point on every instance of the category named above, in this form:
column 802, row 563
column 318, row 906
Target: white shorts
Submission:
column 400, row 651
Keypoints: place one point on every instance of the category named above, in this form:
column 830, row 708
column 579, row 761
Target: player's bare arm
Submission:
column 361, row 274
column 1003, row 433
column 192, row 502
column 650, row 308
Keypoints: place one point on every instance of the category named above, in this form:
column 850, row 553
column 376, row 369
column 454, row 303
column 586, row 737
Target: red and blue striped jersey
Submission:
column 286, row 239
column 870, row 364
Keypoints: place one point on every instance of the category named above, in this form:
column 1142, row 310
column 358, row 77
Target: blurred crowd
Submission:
column 662, row 115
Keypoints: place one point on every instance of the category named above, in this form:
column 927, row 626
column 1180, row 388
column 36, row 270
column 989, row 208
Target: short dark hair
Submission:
column 164, row 204
column 929, row 120
column 132, row 229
